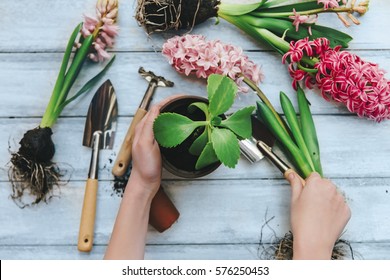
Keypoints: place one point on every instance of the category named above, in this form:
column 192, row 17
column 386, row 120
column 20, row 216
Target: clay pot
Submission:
column 163, row 212
column 178, row 160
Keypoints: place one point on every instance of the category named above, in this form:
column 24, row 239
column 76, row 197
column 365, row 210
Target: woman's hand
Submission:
column 319, row 214
column 146, row 155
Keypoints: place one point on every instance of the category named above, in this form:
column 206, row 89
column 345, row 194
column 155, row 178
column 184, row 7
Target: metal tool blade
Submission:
column 259, row 132
column 102, row 117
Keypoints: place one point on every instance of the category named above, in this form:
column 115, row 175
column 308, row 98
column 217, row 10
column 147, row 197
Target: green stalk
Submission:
column 302, row 13
column 292, row 120
column 309, row 131
column 265, row 100
column 269, row 119
column 281, row 5
column 60, row 79
column 70, row 77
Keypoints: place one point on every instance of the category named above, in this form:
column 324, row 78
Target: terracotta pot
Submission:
column 163, row 212
column 178, row 160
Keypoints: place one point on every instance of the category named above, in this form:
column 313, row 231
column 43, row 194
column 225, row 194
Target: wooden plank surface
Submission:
column 222, row 214
column 361, row 251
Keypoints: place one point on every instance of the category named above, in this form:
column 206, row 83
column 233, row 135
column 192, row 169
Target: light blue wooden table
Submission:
column 222, row 214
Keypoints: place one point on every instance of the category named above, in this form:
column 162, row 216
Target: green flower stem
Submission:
column 265, row 100
column 278, row 4
column 49, row 118
column 298, row 157
column 60, row 79
column 259, row 29
column 292, row 120
column 309, row 131
column 303, row 13
column 282, row 45
column 307, row 70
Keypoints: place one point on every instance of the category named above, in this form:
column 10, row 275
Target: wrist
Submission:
column 307, row 250
column 139, row 188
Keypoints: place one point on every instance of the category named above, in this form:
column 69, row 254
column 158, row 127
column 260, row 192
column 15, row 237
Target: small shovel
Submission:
column 99, row 134
column 259, row 145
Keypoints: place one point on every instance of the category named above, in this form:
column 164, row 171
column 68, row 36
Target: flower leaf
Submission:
column 87, row 86
column 172, row 129
column 222, row 92
column 279, row 6
column 225, row 144
column 207, row 157
column 238, row 9
column 240, row 122
column 199, row 143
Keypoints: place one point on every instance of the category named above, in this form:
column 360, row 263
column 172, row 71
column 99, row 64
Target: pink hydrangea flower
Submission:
column 192, row 54
column 103, row 27
column 343, row 77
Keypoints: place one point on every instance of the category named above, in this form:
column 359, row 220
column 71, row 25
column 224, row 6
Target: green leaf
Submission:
column 216, row 121
column 50, row 116
column 88, row 85
column 292, row 120
column 201, row 106
column 240, row 122
column 213, row 82
column 238, row 9
column 207, row 157
column 273, row 125
column 336, row 38
column 171, row 129
column 288, row 6
column 223, row 96
column 309, row 132
column 225, row 144
column 199, row 143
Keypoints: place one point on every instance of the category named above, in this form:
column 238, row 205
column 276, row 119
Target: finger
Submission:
column 147, row 130
column 138, row 129
column 296, row 184
column 313, row 177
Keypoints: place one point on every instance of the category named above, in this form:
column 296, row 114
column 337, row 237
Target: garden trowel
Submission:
column 99, row 134
column 260, row 144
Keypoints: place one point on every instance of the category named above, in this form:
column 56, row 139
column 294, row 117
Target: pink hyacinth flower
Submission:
column 343, row 77
column 192, row 54
column 103, row 27
column 329, row 3
column 299, row 19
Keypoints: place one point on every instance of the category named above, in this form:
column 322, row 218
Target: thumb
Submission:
column 296, row 184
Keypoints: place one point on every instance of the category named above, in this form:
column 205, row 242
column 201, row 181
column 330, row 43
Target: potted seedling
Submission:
column 194, row 134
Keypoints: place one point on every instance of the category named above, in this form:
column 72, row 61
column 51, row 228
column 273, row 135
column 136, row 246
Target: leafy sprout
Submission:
column 218, row 140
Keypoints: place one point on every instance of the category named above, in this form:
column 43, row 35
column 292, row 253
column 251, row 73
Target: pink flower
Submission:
column 298, row 19
column 343, row 77
column 329, row 3
column 192, row 54
column 103, row 27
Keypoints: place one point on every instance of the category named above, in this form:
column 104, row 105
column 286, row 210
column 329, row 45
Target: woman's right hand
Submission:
column 319, row 215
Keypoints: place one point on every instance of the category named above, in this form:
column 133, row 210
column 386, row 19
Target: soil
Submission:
column 32, row 170
column 178, row 160
column 162, row 15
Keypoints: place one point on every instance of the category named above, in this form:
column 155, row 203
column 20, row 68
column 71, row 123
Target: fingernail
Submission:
column 291, row 176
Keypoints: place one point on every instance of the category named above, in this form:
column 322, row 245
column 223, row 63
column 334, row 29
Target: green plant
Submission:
column 300, row 140
column 218, row 135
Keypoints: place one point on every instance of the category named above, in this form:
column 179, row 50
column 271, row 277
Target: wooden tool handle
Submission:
column 123, row 158
column 87, row 221
column 289, row 171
